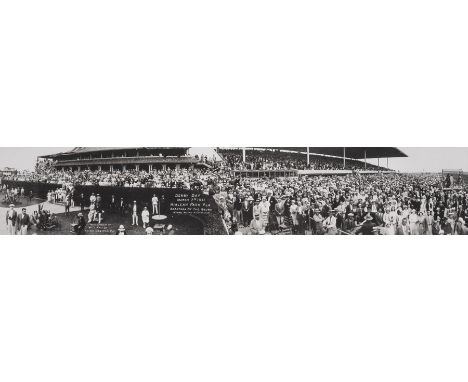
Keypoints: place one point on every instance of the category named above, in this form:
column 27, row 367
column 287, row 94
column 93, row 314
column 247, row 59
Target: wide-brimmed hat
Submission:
column 11, row 205
column 369, row 217
column 250, row 198
column 121, row 228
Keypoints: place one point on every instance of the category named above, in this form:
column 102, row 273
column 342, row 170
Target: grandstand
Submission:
column 310, row 159
column 254, row 190
column 122, row 158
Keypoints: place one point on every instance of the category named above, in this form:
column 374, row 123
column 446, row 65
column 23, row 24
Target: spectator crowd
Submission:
column 353, row 204
column 281, row 160
column 382, row 204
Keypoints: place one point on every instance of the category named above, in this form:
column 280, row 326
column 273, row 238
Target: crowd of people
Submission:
column 91, row 209
column 169, row 178
column 23, row 223
column 282, row 160
column 185, row 178
column 357, row 203
column 382, row 204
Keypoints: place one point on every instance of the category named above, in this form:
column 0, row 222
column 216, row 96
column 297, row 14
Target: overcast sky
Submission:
column 419, row 158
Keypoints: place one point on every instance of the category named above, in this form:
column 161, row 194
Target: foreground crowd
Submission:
column 92, row 209
column 380, row 204
column 356, row 204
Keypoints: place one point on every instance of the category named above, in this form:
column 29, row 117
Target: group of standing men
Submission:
column 17, row 223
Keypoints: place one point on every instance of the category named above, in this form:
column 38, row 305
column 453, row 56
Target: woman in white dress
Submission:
column 391, row 227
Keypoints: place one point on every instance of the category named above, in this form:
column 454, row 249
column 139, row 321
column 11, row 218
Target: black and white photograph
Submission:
column 338, row 260
column 235, row 191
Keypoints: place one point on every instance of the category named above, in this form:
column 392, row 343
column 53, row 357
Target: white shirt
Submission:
column 330, row 222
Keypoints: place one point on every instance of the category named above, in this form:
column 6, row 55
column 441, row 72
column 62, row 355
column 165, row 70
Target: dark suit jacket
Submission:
column 23, row 220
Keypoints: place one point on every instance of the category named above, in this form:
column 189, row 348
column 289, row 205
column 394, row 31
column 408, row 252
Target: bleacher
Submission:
column 268, row 159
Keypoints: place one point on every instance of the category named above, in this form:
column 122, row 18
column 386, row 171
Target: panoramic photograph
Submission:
column 233, row 191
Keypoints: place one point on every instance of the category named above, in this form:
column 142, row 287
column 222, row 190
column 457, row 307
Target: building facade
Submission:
column 122, row 158
column 8, row 171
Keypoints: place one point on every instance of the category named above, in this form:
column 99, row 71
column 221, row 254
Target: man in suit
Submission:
column 112, row 204
column 247, row 211
column 11, row 217
column 237, row 209
column 99, row 208
column 23, row 222
column 82, row 202
column 122, row 207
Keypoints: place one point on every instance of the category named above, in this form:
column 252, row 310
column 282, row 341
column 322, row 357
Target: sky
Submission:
column 419, row 158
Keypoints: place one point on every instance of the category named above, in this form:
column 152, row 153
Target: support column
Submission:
column 111, row 168
column 137, row 167
column 164, row 167
column 378, row 162
column 124, row 167
column 177, row 166
column 344, row 158
column 387, row 162
column 308, row 157
column 150, row 168
column 99, row 168
column 365, row 159
column 243, row 154
column 79, row 168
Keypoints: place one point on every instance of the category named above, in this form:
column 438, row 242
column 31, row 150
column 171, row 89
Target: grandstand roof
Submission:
column 85, row 150
column 351, row 152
